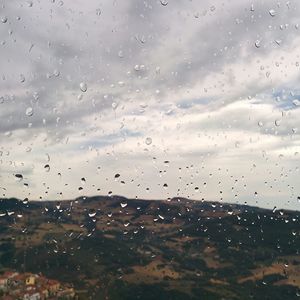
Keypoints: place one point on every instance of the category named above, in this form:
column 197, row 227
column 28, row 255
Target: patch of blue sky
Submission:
column 282, row 98
column 188, row 103
column 110, row 139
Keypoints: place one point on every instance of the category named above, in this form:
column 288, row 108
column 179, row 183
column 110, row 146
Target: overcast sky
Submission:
column 152, row 99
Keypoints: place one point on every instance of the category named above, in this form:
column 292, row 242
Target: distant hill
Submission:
column 119, row 248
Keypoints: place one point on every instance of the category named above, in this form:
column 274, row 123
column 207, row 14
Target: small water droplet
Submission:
column 19, row 177
column 164, row 2
column 56, row 73
column 4, row 19
column 47, row 168
column 29, row 111
column 114, row 105
column 22, row 78
column 257, row 44
column 92, row 214
column 148, row 141
column 123, row 204
column 83, row 87
column 98, row 12
column 272, row 12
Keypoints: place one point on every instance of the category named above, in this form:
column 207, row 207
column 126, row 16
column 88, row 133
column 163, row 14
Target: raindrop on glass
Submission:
column 29, row 111
column 4, row 19
column 164, row 2
column 19, row 177
column 83, row 87
column 22, row 78
column 47, row 168
column 123, row 204
column 148, row 141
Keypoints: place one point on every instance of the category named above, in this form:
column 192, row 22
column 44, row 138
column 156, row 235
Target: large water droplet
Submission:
column 47, row 168
column 19, row 177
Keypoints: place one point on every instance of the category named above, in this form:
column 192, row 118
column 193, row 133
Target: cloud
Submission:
column 212, row 85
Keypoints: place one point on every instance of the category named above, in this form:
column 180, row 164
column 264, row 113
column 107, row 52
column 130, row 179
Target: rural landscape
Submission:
column 119, row 248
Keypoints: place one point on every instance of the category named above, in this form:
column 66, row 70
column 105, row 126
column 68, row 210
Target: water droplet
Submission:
column 272, row 12
column 148, row 141
column 83, row 87
column 164, row 2
column 19, row 177
column 114, row 105
column 4, row 19
column 56, row 73
column 277, row 122
column 83, row 181
column 47, row 168
column 123, row 204
column 29, row 111
column 296, row 102
column 22, row 78
column 260, row 124
column 117, row 176
column 98, row 12
column 278, row 42
column 257, row 44
column 36, row 96
column 92, row 214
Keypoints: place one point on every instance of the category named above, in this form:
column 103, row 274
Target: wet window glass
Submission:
column 149, row 149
